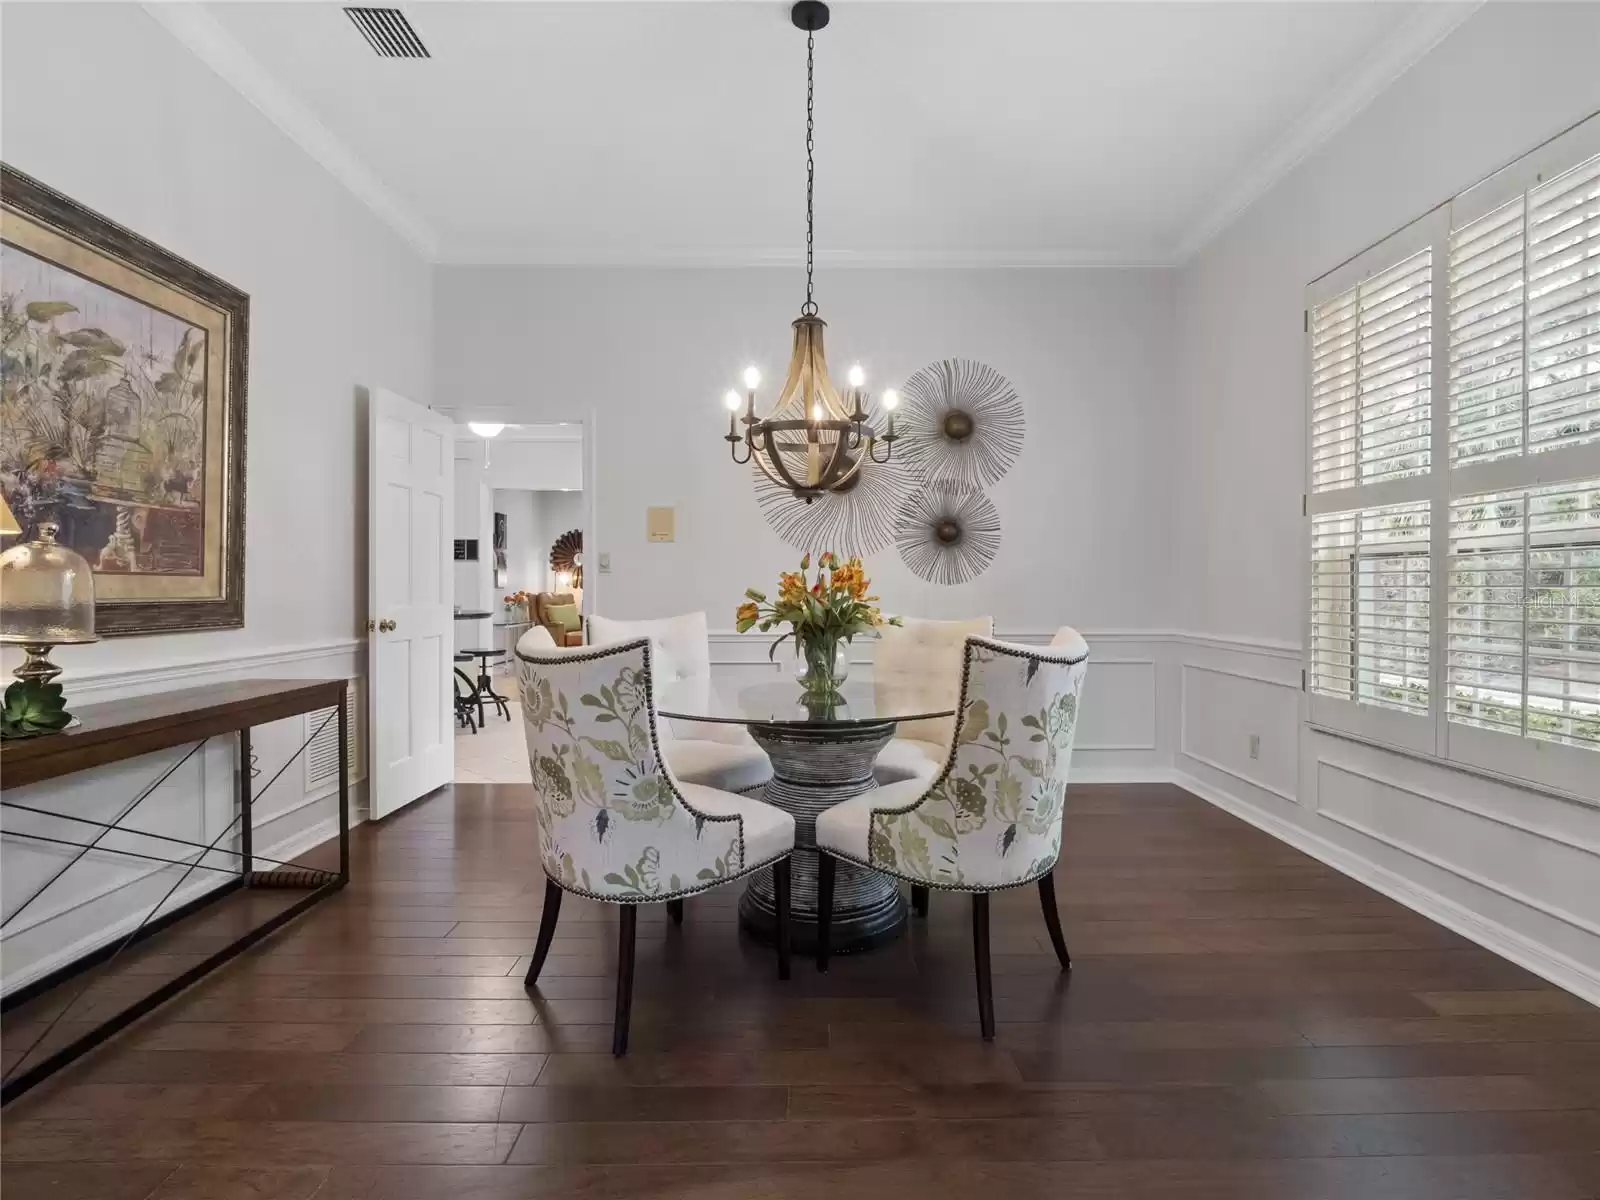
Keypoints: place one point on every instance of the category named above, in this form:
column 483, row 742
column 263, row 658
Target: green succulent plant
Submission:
column 32, row 709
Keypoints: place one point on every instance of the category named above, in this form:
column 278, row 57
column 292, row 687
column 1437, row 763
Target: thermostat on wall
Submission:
column 660, row 524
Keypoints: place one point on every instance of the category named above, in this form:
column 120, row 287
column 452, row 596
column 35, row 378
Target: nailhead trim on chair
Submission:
column 608, row 651
column 961, row 708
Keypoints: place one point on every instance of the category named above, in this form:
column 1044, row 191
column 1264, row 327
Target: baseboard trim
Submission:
column 1133, row 773
column 1549, row 965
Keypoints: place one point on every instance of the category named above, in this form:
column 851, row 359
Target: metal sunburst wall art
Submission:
column 948, row 535
column 861, row 517
column 963, row 424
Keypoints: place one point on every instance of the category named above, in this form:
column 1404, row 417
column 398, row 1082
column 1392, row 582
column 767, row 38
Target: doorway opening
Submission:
column 521, row 515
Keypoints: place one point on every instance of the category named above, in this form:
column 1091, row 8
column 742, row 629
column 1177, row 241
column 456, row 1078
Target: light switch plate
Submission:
column 605, row 564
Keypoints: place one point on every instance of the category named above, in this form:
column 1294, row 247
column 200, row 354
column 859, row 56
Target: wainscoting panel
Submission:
column 1223, row 708
column 105, row 895
column 1515, row 870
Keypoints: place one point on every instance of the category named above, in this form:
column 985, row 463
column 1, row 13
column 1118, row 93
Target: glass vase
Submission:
column 821, row 666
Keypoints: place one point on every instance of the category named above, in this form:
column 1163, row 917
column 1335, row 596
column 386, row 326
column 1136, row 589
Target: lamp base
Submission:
column 37, row 667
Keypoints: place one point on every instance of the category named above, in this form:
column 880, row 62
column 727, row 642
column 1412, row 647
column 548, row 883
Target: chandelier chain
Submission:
column 809, row 308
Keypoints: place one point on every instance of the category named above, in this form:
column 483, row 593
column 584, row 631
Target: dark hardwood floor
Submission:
column 1242, row 1023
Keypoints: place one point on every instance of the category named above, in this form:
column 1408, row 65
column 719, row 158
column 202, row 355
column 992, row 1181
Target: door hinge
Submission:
column 1305, row 505
column 1306, row 313
column 1302, row 679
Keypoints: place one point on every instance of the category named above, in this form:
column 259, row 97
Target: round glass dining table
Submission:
column 822, row 753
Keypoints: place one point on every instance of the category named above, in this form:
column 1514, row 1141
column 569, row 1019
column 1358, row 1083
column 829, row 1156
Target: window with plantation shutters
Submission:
column 1454, row 606
column 1524, row 613
column 1370, row 603
column 1524, row 324
column 1372, row 371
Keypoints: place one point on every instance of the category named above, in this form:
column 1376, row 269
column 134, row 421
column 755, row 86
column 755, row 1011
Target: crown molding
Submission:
column 557, row 257
column 218, row 49
column 1399, row 52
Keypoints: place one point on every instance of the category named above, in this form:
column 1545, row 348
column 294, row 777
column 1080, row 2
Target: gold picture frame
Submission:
column 122, row 411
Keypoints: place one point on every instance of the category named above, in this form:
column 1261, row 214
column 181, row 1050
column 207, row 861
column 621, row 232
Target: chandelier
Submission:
column 815, row 439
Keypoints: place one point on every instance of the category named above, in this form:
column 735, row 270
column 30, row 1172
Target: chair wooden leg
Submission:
column 625, row 938
column 780, row 887
column 675, row 911
column 1052, row 919
column 919, row 900
column 980, row 951
column 547, row 931
column 824, row 906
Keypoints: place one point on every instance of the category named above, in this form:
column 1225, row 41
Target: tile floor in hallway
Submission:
column 497, row 752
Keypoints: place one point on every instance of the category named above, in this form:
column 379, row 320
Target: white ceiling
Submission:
column 983, row 133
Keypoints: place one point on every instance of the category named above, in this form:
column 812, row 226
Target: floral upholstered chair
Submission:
column 615, row 823
column 720, row 756
column 991, row 818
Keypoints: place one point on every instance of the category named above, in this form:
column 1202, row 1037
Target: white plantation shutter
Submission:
column 1483, row 663
column 1392, row 592
column 1333, row 651
column 1524, row 624
column 1525, row 322
column 1372, row 371
column 1505, row 526
column 1370, row 604
column 1564, row 309
column 1486, row 272
column 1333, row 393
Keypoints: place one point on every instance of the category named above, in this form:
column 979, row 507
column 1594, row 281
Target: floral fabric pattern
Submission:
column 993, row 816
column 612, row 823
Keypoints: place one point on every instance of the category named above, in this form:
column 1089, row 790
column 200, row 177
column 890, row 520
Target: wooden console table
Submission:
column 123, row 729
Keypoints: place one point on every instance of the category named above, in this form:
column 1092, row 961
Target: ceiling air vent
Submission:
column 388, row 32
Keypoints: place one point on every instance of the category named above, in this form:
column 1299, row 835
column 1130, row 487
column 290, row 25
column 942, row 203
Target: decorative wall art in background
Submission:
column 963, row 428
column 500, row 572
column 948, row 535
column 857, row 519
column 962, row 424
column 122, row 411
column 566, row 557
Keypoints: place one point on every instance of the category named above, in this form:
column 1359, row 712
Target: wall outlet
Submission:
column 1255, row 745
column 605, row 564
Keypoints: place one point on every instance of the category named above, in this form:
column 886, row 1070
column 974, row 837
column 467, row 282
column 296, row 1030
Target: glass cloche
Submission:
column 46, row 593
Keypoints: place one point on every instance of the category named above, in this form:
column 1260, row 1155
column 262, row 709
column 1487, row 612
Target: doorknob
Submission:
column 387, row 626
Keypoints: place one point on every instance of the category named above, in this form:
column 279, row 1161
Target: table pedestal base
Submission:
column 812, row 770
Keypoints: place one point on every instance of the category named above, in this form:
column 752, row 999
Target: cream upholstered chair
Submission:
column 615, row 821
column 916, row 665
column 720, row 756
column 991, row 818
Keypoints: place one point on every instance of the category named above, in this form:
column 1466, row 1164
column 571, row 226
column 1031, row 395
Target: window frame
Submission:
column 1547, row 765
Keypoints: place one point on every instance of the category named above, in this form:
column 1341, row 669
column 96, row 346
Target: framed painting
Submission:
column 122, row 411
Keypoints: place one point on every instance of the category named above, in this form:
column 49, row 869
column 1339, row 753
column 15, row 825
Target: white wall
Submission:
column 522, row 539
column 151, row 138
column 1085, row 511
column 1517, row 870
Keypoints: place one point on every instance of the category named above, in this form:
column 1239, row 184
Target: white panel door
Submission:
column 410, row 639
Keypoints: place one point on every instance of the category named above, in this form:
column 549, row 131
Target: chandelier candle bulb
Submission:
column 857, row 376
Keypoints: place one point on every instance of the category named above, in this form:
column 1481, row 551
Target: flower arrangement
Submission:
column 823, row 615
column 520, row 600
